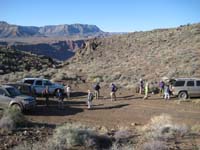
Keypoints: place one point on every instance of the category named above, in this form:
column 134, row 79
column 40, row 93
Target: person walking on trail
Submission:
column 68, row 91
column 141, row 86
column 146, row 90
column 45, row 93
column 97, row 90
column 59, row 95
column 89, row 99
column 113, row 92
column 166, row 92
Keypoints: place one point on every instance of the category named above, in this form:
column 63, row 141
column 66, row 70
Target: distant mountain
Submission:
column 78, row 30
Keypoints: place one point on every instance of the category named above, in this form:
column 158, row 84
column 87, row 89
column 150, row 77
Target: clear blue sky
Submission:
column 109, row 15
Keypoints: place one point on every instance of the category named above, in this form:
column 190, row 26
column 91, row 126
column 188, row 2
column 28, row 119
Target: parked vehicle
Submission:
column 11, row 97
column 24, row 88
column 186, row 87
column 39, row 84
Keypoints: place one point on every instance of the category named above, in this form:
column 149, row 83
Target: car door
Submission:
column 50, row 86
column 4, row 99
column 191, row 88
column 39, row 87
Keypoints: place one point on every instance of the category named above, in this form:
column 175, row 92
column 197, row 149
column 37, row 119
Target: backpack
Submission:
column 91, row 97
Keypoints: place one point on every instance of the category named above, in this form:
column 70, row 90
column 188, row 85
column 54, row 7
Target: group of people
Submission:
column 96, row 95
column 164, row 89
column 60, row 94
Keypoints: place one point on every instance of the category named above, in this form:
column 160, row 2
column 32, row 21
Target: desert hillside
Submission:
column 16, row 61
column 151, row 55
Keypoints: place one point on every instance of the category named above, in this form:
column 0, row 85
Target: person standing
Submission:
column 45, row 93
column 89, row 99
column 141, row 86
column 113, row 92
column 59, row 95
column 68, row 91
column 97, row 90
column 146, row 90
column 166, row 92
column 161, row 86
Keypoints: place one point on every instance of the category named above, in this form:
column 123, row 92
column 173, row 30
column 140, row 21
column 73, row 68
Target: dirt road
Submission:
column 128, row 109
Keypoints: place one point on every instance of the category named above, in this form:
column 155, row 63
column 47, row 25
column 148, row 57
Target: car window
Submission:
column 2, row 92
column 38, row 82
column 190, row 83
column 198, row 83
column 29, row 81
column 13, row 91
column 179, row 83
column 46, row 82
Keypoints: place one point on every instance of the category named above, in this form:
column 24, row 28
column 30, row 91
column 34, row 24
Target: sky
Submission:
column 108, row 15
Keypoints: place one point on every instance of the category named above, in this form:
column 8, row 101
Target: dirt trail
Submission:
column 128, row 109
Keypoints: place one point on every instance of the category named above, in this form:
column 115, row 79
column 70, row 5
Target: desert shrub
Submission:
column 70, row 135
column 117, row 146
column 162, row 128
column 154, row 145
column 12, row 118
column 195, row 128
column 96, row 78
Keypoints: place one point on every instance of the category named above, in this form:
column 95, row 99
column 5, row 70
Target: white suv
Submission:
column 39, row 84
column 186, row 87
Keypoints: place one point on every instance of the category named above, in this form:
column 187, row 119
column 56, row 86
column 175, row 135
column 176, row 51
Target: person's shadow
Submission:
column 109, row 107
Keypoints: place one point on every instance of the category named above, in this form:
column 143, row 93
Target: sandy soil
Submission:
column 130, row 108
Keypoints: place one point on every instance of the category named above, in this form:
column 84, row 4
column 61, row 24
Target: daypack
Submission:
column 91, row 97
column 114, row 88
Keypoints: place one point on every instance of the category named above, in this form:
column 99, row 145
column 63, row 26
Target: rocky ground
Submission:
column 129, row 112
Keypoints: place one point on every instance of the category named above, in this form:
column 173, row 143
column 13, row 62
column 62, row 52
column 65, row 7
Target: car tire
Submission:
column 183, row 95
column 17, row 106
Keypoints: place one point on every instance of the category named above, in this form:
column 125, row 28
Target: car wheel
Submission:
column 183, row 95
column 17, row 107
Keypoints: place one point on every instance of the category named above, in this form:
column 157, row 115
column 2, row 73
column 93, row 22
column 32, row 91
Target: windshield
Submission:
column 13, row 91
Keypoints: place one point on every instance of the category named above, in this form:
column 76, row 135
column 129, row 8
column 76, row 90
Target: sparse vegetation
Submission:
column 12, row 118
column 162, row 128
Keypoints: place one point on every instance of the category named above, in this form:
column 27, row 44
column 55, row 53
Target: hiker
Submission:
column 146, row 90
column 68, row 91
column 141, row 86
column 89, row 99
column 166, row 92
column 161, row 87
column 59, row 95
column 96, row 90
column 113, row 91
column 45, row 93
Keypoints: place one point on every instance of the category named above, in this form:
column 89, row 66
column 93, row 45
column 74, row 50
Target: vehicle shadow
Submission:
column 53, row 110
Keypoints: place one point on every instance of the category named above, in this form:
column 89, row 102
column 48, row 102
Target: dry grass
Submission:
column 162, row 128
column 12, row 118
column 154, row 145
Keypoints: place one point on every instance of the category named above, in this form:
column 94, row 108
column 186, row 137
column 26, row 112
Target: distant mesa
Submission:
column 81, row 30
